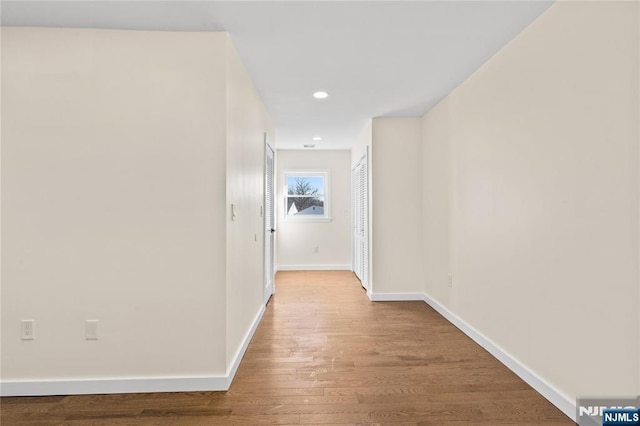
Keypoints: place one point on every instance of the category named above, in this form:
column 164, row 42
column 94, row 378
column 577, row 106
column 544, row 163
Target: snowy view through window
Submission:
column 305, row 195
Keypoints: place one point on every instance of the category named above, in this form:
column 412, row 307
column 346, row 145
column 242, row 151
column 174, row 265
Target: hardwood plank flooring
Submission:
column 324, row 354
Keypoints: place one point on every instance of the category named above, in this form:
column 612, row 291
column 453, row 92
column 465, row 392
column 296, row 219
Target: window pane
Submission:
column 305, row 185
column 305, row 195
column 300, row 206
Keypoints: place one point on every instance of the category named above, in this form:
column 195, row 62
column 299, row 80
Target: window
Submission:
column 306, row 196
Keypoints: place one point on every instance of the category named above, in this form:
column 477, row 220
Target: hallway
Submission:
column 324, row 354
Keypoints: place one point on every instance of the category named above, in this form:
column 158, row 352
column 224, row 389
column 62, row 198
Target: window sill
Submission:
column 308, row 220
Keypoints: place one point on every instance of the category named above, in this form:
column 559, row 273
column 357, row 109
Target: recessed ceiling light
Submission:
column 320, row 95
column 317, row 138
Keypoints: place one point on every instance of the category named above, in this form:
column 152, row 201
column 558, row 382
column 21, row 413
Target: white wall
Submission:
column 122, row 152
column 247, row 121
column 638, row 79
column 539, row 150
column 295, row 240
column 363, row 143
column 436, row 202
column 397, row 206
column 110, row 142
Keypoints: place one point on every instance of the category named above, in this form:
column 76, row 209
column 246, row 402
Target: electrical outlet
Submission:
column 316, row 249
column 450, row 281
column 27, row 329
column 91, row 330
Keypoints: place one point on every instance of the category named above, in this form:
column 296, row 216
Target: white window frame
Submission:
column 325, row 174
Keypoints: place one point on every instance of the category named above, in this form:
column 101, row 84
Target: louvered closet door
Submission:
column 357, row 249
column 269, row 221
column 364, row 223
column 360, row 186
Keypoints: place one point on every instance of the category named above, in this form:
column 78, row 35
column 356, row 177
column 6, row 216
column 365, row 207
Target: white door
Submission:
column 355, row 226
column 269, row 221
column 360, row 183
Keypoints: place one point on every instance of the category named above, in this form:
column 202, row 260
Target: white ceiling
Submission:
column 375, row 58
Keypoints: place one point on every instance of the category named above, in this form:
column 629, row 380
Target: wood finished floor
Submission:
column 324, row 354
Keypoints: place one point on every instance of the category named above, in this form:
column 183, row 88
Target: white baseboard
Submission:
column 395, row 297
column 313, row 267
column 113, row 385
column 557, row 398
column 132, row 385
column 231, row 372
